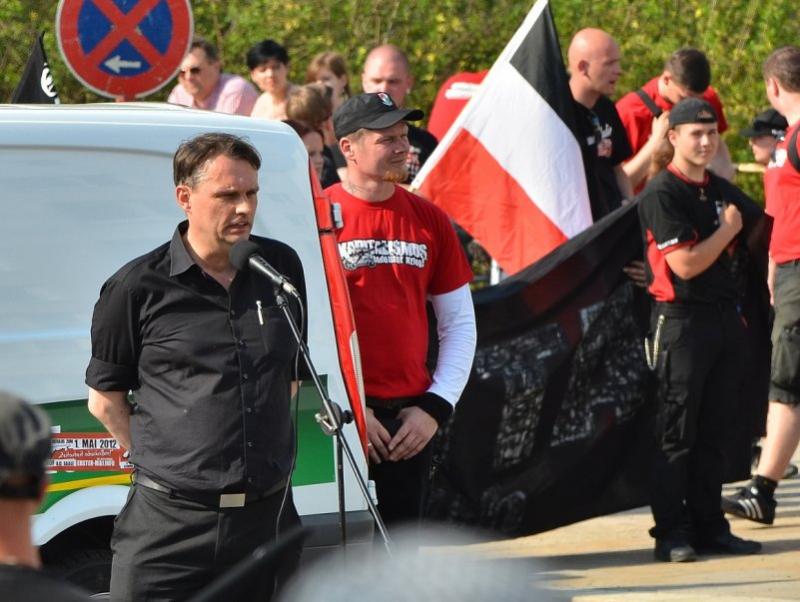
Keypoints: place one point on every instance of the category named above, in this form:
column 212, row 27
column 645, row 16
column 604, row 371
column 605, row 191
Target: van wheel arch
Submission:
column 82, row 555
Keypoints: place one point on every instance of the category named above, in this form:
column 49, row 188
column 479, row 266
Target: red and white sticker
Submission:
column 87, row 451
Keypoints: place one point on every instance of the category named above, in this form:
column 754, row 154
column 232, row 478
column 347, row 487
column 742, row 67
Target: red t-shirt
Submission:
column 395, row 253
column 638, row 119
column 782, row 191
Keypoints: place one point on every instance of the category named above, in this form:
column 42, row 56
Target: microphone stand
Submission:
column 331, row 424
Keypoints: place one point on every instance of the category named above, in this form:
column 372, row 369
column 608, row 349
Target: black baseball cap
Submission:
column 373, row 111
column 24, row 447
column 766, row 123
column 692, row 110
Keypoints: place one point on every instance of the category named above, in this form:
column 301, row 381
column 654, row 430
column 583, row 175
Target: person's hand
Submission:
column 660, row 126
column 378, row 437
column 418, row 428
column 635, row 271
column 731, row 218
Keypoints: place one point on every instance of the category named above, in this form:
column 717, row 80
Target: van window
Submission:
column 69, row 218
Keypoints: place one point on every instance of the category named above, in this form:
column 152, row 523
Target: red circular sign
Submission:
column 124, row 48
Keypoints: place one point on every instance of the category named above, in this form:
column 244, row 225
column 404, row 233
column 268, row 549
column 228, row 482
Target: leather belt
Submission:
column 213, row 500
column 389, row 404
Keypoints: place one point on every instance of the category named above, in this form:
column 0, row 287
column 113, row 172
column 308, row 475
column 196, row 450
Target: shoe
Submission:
column 674, row 550
column 748, row 502
column 728, row 543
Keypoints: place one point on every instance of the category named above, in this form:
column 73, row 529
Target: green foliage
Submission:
column 445, row 36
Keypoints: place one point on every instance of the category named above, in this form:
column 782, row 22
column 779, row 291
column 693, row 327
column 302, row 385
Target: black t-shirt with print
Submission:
column 604, row 145
column 675, row 212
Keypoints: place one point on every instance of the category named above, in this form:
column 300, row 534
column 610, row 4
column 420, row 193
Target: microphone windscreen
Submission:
column 241, row 252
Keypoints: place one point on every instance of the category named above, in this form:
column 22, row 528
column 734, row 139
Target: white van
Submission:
column 84, row 190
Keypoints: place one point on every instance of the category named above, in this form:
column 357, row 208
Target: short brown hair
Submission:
column 301, row 128
column 357, row 135
column 784, row 66
column 310, row 104
column 333, row 62
column 192, row 155
column 212, row 54
column 689, row 67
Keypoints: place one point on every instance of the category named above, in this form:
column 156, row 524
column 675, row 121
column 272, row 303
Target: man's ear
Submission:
column 43, row 488
column 671, row 135
column 346, row 146
column 183, row 196
column 410, row 84
column 583, row 67
column 772, row 86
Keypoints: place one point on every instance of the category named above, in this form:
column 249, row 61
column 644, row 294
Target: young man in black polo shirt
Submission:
column 210, row 430
column 690, row 222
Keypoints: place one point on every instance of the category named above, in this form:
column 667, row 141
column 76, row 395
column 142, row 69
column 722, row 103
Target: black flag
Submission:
column 557, row 422
column 36, row 85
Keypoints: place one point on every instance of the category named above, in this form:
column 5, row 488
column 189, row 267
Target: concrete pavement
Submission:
column 611, row 558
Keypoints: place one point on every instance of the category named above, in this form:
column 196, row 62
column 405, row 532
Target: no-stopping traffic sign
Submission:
column 124, row 48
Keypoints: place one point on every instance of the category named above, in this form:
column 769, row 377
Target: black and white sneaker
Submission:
column 748, row 502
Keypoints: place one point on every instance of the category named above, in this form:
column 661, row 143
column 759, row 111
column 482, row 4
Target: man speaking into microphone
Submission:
column 210, row 360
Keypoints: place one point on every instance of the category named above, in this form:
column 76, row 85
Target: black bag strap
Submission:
column 791, row 151
column 648, row 102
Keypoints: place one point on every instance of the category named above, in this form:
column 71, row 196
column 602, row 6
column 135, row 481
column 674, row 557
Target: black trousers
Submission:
column 166, row 548
column 402, row 486
column 698, row 373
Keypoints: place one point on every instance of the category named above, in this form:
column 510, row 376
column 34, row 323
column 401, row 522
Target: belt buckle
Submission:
column 232, row 500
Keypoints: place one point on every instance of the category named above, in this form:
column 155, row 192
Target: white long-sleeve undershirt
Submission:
column 455, row 316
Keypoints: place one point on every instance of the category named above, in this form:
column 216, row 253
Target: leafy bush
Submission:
column 445, row 36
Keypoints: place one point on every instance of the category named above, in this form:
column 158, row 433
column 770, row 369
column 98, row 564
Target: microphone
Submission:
column 245, row 254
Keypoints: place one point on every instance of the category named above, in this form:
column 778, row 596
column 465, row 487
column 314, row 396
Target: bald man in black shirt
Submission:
column 594, row 66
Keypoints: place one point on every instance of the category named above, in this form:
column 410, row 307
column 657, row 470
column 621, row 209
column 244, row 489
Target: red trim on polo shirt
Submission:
column 661, row 287
column 681, row 176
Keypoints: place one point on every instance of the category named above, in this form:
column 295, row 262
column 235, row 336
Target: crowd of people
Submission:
column 399, row 251
column 661, row 144
column 307, row 108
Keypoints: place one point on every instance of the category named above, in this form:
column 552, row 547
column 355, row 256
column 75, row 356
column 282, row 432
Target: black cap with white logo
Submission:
column 767, row 123
column 374, row 111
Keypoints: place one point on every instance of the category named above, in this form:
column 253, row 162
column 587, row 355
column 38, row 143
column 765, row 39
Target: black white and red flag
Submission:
column 36, row 85
column 509, row 170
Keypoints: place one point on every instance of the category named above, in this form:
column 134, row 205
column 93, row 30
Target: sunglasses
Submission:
column 189, row 71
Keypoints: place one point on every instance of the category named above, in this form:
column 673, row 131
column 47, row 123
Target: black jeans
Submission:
column 698, row 370
column 402, row 486
column 166, row 548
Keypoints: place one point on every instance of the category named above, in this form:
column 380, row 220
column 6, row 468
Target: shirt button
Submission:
column 245, row 376
column 249, row 410
column 249, row 479
column 249, row 444
column 233, row 313
column 240, row 343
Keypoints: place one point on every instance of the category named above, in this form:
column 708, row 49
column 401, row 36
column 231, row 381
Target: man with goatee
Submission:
column 398, row 251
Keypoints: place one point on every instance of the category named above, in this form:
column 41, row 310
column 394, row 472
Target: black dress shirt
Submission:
column 211, row 386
